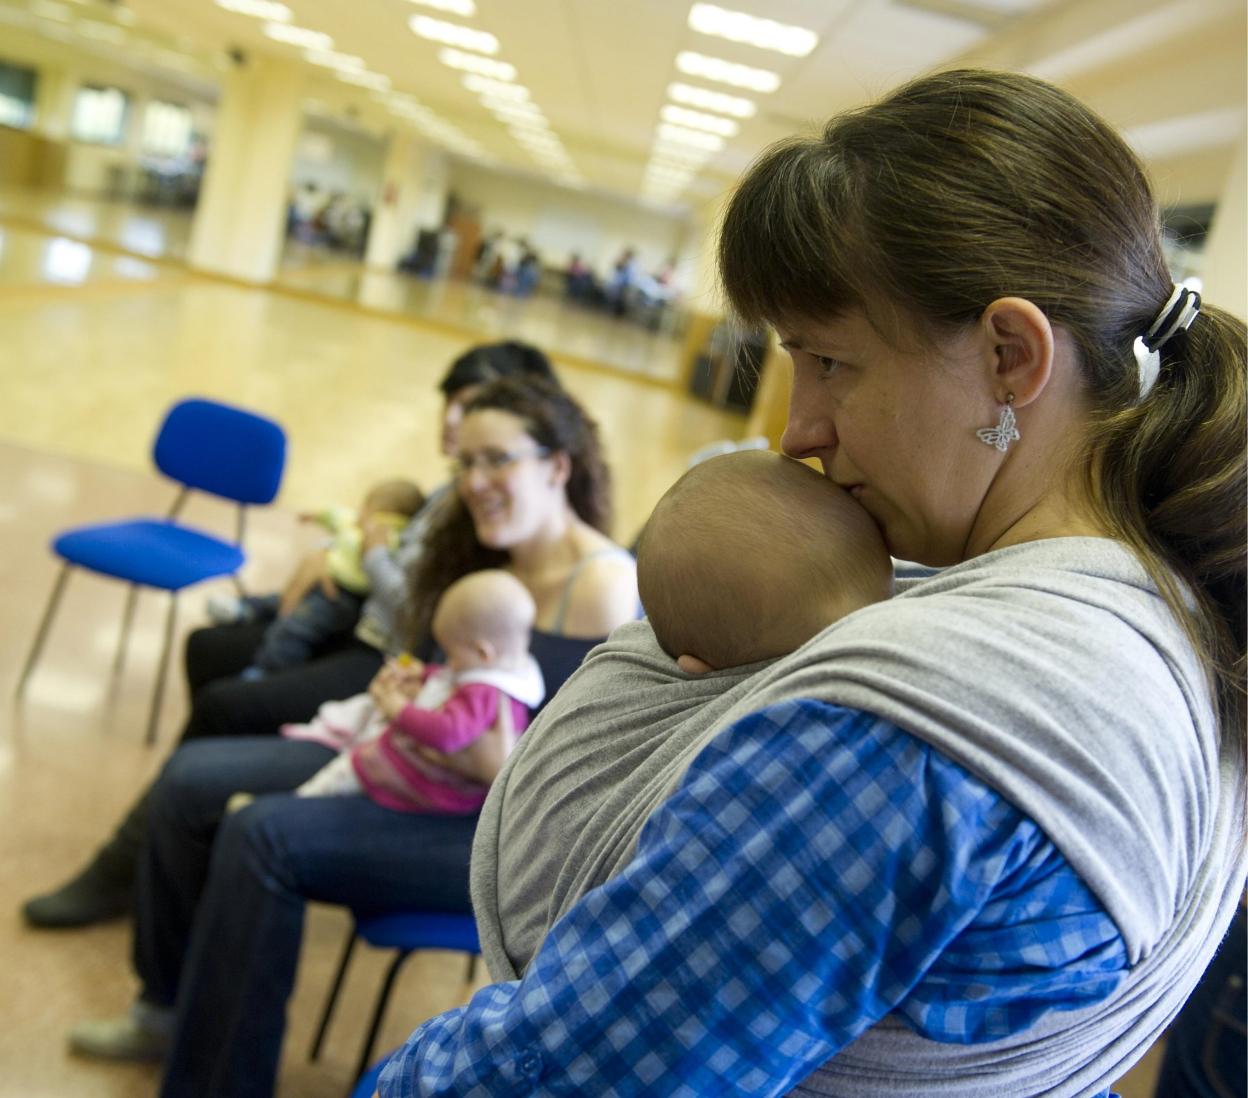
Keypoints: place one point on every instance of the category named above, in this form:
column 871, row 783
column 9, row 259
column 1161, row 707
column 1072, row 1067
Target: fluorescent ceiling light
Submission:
column 104, row 32
column 766, row 34
column 375, row 80
column 678, row 135
column 452, row 34
column 528, row 121
column 711, row 101
column 474, row 62
column 259, row 9
column 46, row 9
column 465, row 8
column 726, row 72
column 483, row 85
column 514, row 108
column 331, row 60
column 696, row 120
column 298, row 36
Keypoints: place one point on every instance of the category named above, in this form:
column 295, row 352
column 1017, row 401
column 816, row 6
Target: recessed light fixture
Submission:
column 708, row 100
column 298, row 36
column 497, row 89
column 526, row 113
column 679, row 135
column 696, row 120
column 452, row 34
column 738, row 26
column 474, row 62
column 102, row 32
column 259, row 9
column 345, row 62
column 465, row 8
column 376, row 80
column 46, row 9
column 727, row 72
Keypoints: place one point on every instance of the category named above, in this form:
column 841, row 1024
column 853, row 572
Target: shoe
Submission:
column 144, row 1034
column 94, row 896
column 229, row 610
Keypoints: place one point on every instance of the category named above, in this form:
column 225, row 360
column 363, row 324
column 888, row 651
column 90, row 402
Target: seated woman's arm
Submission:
column 807, row 877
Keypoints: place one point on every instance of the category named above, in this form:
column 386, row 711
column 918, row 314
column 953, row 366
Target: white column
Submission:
column 1225, row 270
column 393, row 227
column 241, row 217
column 54, row 102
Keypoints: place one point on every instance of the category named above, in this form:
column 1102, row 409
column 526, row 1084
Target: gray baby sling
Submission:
column 1052, row 671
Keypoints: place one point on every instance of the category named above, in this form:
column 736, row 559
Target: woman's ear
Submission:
column 1019, row 340
column 561, row 463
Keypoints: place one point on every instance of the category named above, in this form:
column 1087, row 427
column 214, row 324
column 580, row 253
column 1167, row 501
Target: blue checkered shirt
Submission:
column 817, row 869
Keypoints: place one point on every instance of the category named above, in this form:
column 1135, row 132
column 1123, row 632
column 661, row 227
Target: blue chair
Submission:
column 406, row 933
column 205, row 446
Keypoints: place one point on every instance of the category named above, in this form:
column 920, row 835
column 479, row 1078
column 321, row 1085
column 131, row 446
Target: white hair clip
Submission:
column 1176, row 315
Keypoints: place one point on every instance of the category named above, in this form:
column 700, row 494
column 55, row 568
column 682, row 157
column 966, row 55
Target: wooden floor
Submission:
column 97, row 340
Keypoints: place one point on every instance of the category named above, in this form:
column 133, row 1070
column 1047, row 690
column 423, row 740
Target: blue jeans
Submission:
column 220, row 900
column 318, row 621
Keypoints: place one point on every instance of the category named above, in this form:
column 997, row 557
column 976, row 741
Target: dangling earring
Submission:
column 1006, row 430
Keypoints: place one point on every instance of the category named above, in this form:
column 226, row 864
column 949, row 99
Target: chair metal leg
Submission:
column 41, row 634
column 473, row 958
column 379, row 1011
column 123, row 639
column 162, row 669
column 332, row 1001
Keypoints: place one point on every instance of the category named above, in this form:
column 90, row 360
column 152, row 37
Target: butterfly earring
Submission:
column 1006, row 430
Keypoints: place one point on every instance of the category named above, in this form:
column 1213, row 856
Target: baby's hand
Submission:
column 239, row 801
column 691, row 665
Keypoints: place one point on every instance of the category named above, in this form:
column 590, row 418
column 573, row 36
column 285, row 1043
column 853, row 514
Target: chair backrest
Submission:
column 217, row 448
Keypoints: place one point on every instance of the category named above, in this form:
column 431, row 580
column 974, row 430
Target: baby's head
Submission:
column 484, row 620
column 395, row 497
column 750, row 555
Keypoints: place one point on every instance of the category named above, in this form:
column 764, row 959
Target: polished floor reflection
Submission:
column 160, row 233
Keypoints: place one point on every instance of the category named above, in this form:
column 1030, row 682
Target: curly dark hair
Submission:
column 556, row 422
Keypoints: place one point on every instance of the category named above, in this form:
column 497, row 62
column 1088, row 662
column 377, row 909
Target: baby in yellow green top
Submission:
column 322, row 615
column 392, row 503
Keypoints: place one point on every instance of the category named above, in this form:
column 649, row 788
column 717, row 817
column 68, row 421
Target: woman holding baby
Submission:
column 220, row 901
column 980, row 838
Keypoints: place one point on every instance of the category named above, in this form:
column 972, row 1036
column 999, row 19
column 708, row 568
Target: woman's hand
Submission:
column 312, row 570
column 479, row 762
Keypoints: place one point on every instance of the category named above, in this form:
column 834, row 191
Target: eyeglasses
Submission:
column 492, row 462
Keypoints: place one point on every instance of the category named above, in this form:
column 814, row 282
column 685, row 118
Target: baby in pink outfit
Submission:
column 482, row 624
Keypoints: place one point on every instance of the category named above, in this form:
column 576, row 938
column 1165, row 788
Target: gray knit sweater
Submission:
column 1052, row 671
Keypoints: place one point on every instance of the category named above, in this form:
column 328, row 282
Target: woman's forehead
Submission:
column 801, row 333
column 490, row 426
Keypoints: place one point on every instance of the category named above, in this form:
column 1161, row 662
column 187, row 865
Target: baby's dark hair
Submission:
column 750, row 555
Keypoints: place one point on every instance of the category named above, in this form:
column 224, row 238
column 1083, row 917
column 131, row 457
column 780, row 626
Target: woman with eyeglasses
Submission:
column 222, row 704
column 219, row 908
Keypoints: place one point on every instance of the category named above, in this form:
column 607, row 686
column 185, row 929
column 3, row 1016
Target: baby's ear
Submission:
column 691, row 665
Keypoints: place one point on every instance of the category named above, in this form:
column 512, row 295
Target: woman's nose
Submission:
column 809, row 431
column 473, row 479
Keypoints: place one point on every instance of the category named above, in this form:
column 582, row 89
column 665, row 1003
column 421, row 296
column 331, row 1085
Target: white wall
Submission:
column 338, row 159
column 558, row 221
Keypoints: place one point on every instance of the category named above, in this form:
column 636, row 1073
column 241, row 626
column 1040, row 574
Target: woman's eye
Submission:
column 826, row 364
